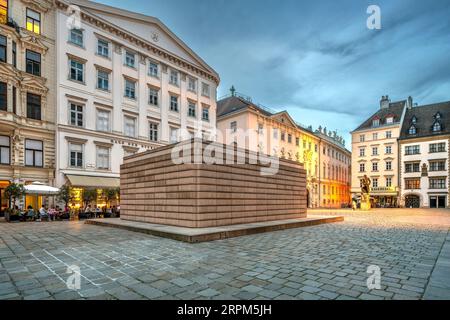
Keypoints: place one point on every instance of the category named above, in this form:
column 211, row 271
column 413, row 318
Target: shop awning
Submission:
column 93, row 182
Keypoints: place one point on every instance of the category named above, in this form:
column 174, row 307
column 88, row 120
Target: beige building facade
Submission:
column 27, row 95
column 375, row 153
column 260, row 129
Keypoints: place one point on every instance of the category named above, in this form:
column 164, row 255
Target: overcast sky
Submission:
column 316, row 59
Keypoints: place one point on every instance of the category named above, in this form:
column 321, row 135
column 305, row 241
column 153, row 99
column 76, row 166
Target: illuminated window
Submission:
column 3, row 11
column 33, row 21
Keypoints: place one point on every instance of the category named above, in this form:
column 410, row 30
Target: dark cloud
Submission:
column 317, row 59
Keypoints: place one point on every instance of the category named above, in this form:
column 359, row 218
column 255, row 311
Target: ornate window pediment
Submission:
column 34, row 43
column 39, row 5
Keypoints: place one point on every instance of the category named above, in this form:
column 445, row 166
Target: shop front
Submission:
column 4, row 202
column 384, row 197
column 94, row 191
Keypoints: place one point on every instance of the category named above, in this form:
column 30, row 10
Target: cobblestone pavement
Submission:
column 321, row 262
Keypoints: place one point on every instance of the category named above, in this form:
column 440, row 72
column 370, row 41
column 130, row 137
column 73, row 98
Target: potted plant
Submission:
column 13, row 192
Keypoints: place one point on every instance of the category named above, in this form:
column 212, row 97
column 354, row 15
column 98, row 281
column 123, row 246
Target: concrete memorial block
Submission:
column 200, row 184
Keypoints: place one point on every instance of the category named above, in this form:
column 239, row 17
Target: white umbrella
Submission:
column 38, row 188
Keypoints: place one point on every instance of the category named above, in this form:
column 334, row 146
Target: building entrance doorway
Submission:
column 438, row 202
column 412, row 202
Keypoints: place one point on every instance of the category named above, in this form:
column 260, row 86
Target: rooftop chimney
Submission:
column 410, row 102
column 384, row 103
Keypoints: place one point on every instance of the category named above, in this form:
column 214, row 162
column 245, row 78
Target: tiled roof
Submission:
column 233, row 104
column 395, row 109
column 425, row 119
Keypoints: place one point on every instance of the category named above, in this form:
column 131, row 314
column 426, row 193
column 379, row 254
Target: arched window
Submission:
column 412, row 130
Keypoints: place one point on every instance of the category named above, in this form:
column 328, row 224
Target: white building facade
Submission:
column 126, row 84
column 424, row 154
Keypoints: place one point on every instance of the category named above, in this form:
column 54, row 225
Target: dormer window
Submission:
column 412, row 130
column 414, row 120
column 389, row 120
column 437, row 127
column 437, row 116
column 376, row 122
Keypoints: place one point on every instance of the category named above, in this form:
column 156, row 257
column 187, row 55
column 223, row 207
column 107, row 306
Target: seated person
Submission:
column 30, row 213
column 52, row 214
column 43, row 214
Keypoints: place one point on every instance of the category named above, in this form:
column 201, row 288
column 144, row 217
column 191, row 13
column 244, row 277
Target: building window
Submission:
column 389, row 120
column 76, row 155
column 102, row 158
column 14, row 54
column 3, row 11
column 412, row 150
column 76, row 37
column 130, row 89
column 374, row 151
column 362, row 152
column 153, row 131
column 174, row 77
column 205, row 113
column 34, row 152
column 362, row 167
column 362, row 138
column 437, row 165
column 275, row 134
column 437, row 127
column 76, row 71
column 130, row 59
column 412, row 184
column 438, row 183
column 192, row 84
column 191, row 109
column 174, row 135
column 3, row 48
column 102, row 80
column 412, row 167
column 283, row 136
column 205, row 90
column 33, row 106
column 3, row 96
column 375, row 166
column 103, row 120
column 153, row 97
column 5, row 150
column 174, row 103
column 375, row 183
column 289, row 138
column 153, row 70
column 412, row 130
column 33, row 21
column 388, row 182
column 233, row 126
column 388, row 165
column 437, row 147
column 376, row 123
column 130, row 127
column 388, row 134
column 375, row 136
column 76, row 115
column 14, row 100
column 103, row 48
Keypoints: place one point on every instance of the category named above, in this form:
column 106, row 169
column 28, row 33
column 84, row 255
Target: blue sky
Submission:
column 316, row 59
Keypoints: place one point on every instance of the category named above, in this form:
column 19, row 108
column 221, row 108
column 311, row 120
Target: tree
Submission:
column 14, row 191
column 89, row 195
column 65, row 195
column 110, row 195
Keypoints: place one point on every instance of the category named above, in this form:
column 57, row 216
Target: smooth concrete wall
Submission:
column 155, row 190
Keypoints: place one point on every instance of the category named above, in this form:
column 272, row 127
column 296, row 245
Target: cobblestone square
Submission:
column 323, row 262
